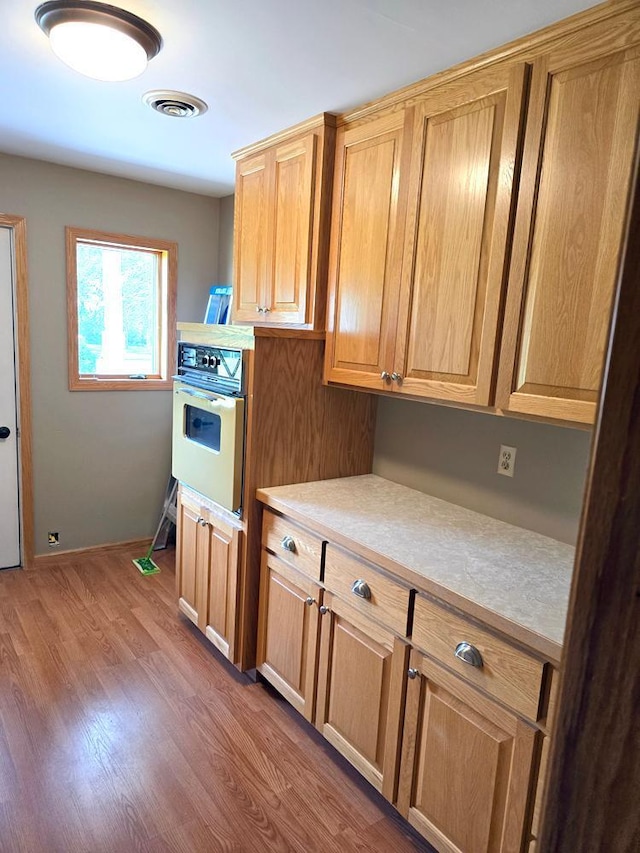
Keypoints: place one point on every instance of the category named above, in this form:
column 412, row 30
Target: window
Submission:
column 121, row 295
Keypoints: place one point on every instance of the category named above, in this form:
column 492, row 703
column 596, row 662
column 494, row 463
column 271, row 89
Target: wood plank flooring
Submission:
column 122, row 730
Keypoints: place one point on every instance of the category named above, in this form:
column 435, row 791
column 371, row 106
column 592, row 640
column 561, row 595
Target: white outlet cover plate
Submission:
column 507, row 460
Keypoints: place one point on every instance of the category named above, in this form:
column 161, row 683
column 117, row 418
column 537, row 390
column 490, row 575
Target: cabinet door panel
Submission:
column 222, row 594
column 459, row 798
column 359, row 666
column 191, row 564
column 291, row 234
column 449, row 242
column 575, row 180
column 251, row 237
column 466, row 765
column 361, row 678
column 455, row 252
column 365, row 254
column 288, row 632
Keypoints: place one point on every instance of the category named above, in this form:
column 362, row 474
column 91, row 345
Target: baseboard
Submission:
column 41, row 561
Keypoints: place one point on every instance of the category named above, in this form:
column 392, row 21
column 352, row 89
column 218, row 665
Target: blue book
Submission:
column 219, row 305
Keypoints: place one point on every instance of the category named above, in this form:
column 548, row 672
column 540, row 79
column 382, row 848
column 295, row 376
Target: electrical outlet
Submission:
column 53, row 539
column 507, row 460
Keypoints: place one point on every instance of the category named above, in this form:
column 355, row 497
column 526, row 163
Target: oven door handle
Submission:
column 215, row 401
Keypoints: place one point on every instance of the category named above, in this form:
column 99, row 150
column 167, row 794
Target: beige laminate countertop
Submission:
column 513, row 579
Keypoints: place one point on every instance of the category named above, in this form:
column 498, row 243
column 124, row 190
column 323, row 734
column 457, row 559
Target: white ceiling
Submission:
column 261, row 65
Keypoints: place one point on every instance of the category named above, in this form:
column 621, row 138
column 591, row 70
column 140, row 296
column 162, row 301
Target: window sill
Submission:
column 120, row 384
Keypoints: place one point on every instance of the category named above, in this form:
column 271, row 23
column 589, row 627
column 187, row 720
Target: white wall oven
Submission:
column 209, row 422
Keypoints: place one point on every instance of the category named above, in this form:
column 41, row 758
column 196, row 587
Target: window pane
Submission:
column 118, row 304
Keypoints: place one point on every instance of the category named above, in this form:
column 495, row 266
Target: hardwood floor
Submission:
column 122, row 730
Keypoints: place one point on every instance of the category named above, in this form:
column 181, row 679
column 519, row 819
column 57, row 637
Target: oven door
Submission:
column 208, row 443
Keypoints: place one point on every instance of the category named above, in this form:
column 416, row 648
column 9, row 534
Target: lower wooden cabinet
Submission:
column 447, row 743
column 361, row 680
column 466, row 765
column 207, row 572
column 288, row 632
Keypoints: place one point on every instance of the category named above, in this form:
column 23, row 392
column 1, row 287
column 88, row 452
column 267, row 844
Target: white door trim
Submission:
column 17, row 226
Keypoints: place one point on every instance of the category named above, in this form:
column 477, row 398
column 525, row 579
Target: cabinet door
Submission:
column 191, row 563
column 290, row 233
column 288, row 633
column 220, row 554
column 463, row 163
column 251, row 256
column 466, row 765
column 577, row 164
column 361, row 682
column 369, row 200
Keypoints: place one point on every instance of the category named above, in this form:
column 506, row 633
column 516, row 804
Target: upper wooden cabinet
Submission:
column 477, row 224
column 281, row 226
column 422, row 202
column 577, row 165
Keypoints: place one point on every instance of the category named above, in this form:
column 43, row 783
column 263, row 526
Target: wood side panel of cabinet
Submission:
column 287, row 288
column 366, row 251
column 288, row 633
column 251, row 236
column 466, row 765
column 465, row 150
column 361, row 676
column 577, row 163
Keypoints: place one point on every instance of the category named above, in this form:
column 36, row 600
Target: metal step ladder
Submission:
column 169, row 516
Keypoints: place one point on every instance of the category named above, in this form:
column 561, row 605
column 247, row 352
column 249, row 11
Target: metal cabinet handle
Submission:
column 361, row 589
column 412, row 673
column 258, row 309
column 385, row 376
column 396, row 377
column 288, row 544
column 266, row 310
column 202, row 521
column 309, row 601
column 323, row 609
column 469, row 654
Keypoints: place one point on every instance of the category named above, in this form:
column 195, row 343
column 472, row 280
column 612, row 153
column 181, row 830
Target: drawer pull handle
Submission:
column 288, row 544
column 323, row 609
column 309, row 601
column 469, row 654
column 385, row 376
column 361, row 589
column 412, row 673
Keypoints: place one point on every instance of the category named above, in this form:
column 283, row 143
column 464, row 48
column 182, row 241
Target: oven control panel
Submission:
column 211, row 367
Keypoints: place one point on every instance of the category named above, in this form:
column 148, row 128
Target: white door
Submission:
column 9, row 485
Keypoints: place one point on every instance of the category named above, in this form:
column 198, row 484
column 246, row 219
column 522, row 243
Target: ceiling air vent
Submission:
column 175, row 104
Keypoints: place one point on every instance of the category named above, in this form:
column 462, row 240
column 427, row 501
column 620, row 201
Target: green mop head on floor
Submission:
column 145, row 565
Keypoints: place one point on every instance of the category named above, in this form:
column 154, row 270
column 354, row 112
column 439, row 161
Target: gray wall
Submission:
column 453, row 454
column 225, row 241
column 100, row 459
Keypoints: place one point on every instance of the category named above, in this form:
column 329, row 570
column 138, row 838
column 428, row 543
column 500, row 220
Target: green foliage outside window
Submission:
column 135, row 298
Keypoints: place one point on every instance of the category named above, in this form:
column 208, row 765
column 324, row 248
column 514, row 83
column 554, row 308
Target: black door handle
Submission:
column 5, row 432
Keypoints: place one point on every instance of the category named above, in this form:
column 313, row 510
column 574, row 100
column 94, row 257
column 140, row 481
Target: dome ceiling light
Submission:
column 174, row 104
column 98, row 40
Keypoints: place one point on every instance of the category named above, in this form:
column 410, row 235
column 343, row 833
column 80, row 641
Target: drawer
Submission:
column 387, row 601
column 506, row 672
column 296, row 546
